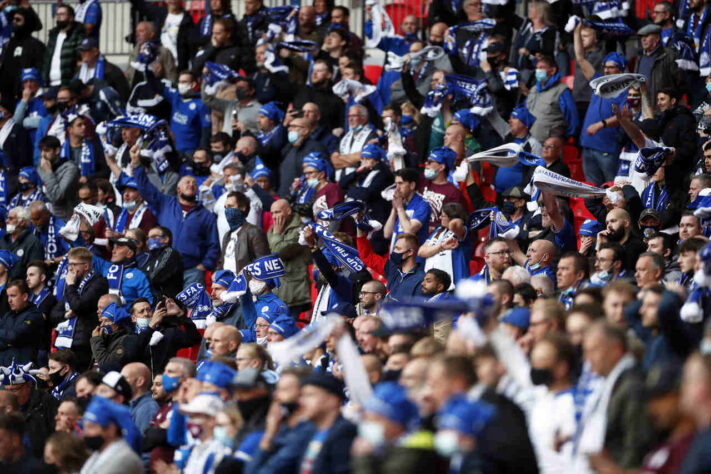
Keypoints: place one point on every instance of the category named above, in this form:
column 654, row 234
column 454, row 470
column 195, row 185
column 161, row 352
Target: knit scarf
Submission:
column 265, row 137
column 67, row 382
column 50, row 246
column 88, row 165
column 39, row 297
column 696, row 31
column 65, row 329
column 115, row 277
column 655, row 201
column 21, row 201
column 120, row 224
column 98, row 70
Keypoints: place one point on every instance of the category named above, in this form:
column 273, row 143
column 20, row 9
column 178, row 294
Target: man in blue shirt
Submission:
column 497, row 257
column 124, row 277
column 402, row 270
column 410, row 212
column 46, row 227
column 189, row 119
column 538, row 259
column 142, row 405
column 193, row 227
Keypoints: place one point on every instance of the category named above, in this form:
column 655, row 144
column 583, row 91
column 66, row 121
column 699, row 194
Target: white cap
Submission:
column 209, row 405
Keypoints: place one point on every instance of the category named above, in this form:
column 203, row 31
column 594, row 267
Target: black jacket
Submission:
column 113, row 351
column 292, row 160
column 330, row 105
column 355, row 188
column 39, row 415
column 84, row 307
column 26, row 247
column 335, row 454
column 164, row 270
column 678, row 130
column 114, row 77
column 22, row 51
column 19, row 331
column 157, row 14
column 230, row 55
column 18, row 153
column 175, row 338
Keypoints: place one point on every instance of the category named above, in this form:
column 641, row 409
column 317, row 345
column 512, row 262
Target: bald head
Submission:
column 437, row 32
column 138, row 376
column 620, row 214
column 246, row 145
column 8, row 401
column 454, row 136
column 225, row 341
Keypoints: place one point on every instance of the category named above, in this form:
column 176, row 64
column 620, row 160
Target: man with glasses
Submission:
column 370, row 296
column 78, row 294
column 301, row 143
column 497, row 256
column 663, row 16
column 360, row 132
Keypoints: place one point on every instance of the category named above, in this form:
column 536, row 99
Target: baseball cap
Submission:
column 88, row 43
column 326, row 382
column 120, row 385
column 203, row 404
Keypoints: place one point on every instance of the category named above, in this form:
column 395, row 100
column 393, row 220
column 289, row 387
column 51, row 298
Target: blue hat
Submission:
column 30, row 174
column 390, row 400
column 590, row 228
column 49, row 94
column 519, row 317
column 126, row 181
column 30, row 74
column 616, row 58
column 443, row 155
column 316, row 160
column 271, row 111
column 284, row 325
column 374, row 152
column 467, row 417
column 104, row 412
column 260, row 169
column 467, row 118
column 116, row 314
column 7, row 259
column 522, row 113
column 216, row 373
column 223, row 277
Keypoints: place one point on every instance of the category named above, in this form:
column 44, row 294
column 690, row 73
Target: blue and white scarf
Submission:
column 98, row 70
column 65, row 329
column 115, row 277
column 3, row 187
column 613, row 28
column 695, row 32
column 50, row 246
column 206, row 28
column 39, row 297
column 611, row 9
column 88, row 165
column 198, row 301
column 682, row 13
column 345, row 254
column 265, row 137
column 58, row 391
column 341, row 211
column 704, row 55
column 653, row 201
column 120, row 224
column 19, row 200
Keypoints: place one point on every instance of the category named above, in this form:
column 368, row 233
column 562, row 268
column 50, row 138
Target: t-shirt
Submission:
column 55, row 69
column 419, row 209
column 313, row 449
column 326, row 198
column 604, row 140
column 188, row 118
column 437, row 195
column 169, row 33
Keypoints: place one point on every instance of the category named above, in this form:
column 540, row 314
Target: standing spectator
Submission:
column 143, row 407
column 657, row 63
column 245, row 108
column 20, row 241
column 283, row 239
column 678, row 130
column 31, row 108
column 190, row 118
column 193, row 227
column 325, row 194
column 301, row 144
column 62, row 55
column 551, row 102
column 37, row 281
column 88, row 13
column 410, row 211
column 223, row 49
column 14, row 145
column 436, row 189
column 164, row 267
column 253, row 24
column 20, row 326
column 95, row 66
column 46, row 227
column 60, row 178
column 164, row 66
column 245, row 242
column 320, row 93
column 20, row 52
column 585, row 49
column 359, row 134
column 219, row 9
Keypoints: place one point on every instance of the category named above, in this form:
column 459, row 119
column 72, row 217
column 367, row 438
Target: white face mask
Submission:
column 142, row 323
column 446, row 443
column 262, row 341
column 10, row 228
column 257, row 287
column 372, row 432
column 184, row 89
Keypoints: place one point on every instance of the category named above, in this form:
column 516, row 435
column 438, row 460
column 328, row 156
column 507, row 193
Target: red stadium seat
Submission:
column 398, row 10
column 475, row 265
column 372, row 72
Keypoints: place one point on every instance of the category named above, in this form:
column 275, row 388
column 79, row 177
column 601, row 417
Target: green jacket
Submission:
column 295, row 286
column 70, row 55
column 414, row 453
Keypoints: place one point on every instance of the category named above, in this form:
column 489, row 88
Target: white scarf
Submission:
column 352, row 142
column 5, row 132
column 442, row 260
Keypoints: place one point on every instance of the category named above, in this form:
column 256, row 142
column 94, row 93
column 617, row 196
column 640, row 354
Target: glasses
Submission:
column 548, row 147
column 501, row 252
column 368, row 293
column 261, row 325
column 244, row 359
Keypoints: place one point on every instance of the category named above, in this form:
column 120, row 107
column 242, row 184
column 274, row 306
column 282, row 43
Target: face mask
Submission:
column 62, row 24
column 293, row 136
column 391, row 375
column 220, row 434
column 217, row 157
column 52, row 109
column 372, row 432
column 705, row 347
column 199, row 169
column 508, row 208
column 600, row 277
column 106, row 330
column 208, row 353
column 142, row 323
column 247, row 408
column 288, row 409
column 62, row 106
column 437, row 43
column 534, row 266
column 415, row 62
column 430, row 173
column 241, row 94
column 397, row 258
column 188, row 198
column 541, row 376
column 25, row 186
column 185, row 89
column 56, row 378
column 634, row 102
column 154, row 243
column 93, row 443
column 708, row 87
column 235, row 217
column 130, row 206
column 257, row 287
column 10, row 228
column 541, row 75
column 194, row 429
column 358, row 128
column 312, row 182
column 446, row 443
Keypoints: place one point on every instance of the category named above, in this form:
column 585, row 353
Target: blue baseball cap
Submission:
column 590, row 228
column 30, row 174
column 443, row 155
column 30, row 74
column 466, row 416
column 115, row 313
column 519, row 317
column 216, row 373
column 390, row 400
column 374, row 152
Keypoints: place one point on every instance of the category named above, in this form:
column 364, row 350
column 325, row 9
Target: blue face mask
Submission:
column 430, row 173
column 170, row 384
column 541, row 76
column 220, row 434
column 293, row 136
column 106, row 330
column 154, row 243
column 708, row 87
column 358, row 128
column 235, row 217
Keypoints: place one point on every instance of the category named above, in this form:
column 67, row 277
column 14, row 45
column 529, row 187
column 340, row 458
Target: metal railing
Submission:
column 116, row 20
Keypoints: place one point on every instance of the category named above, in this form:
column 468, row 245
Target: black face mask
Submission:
column 49, row 468
column 241, row 94
column 249, row 408
column 62, row 106
column 52, row 109
column 541, row 376
column 200, row 170
column 508, row 208
column 437, row 43
column 217, row 157
column 288, row 409
column 56, row 378
column 25, row 186
column 93, row 443
column 391, row 376
column 188, row 198
column 62, row 24
column 398, row 258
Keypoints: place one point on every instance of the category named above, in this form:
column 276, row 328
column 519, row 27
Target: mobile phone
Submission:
column 297, row 113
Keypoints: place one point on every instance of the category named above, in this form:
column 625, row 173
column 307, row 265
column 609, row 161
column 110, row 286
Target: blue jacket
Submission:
column 143, row 409
column 40, row 133
column 287, row 448
column 268, row 303
column 402, row 286
column 334, row 455
column 194, row 235
column 134, row 283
